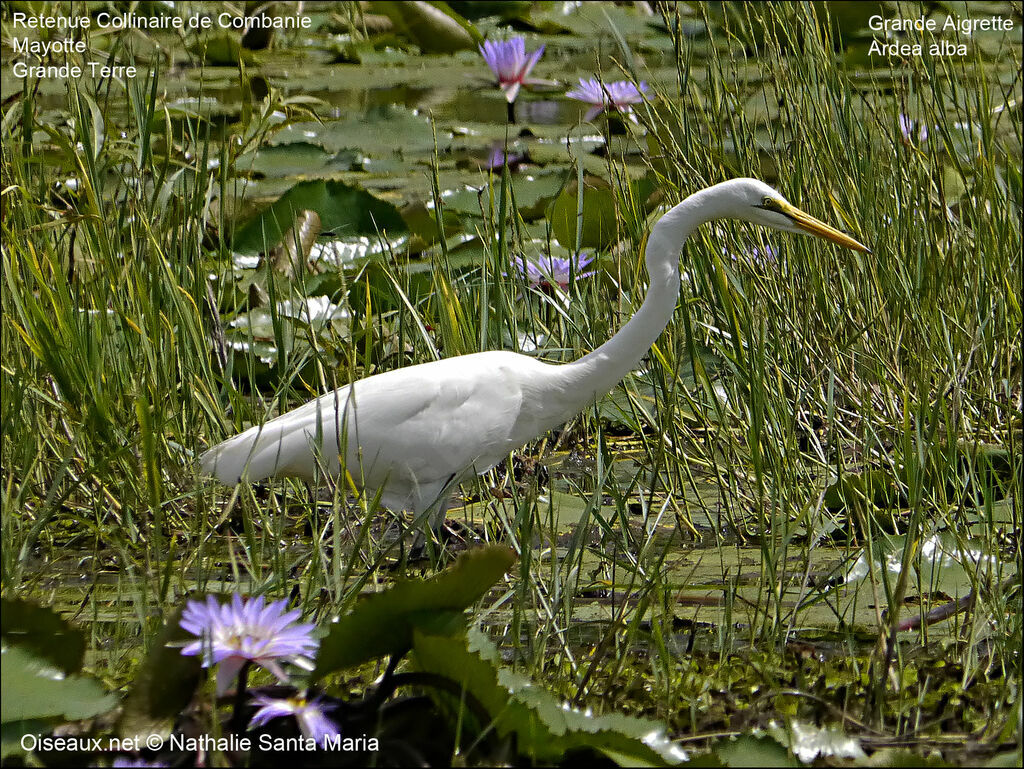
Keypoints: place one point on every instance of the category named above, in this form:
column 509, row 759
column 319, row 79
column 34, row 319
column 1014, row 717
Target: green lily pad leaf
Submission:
column 599, row 223
column 548, row 25
column 33, row 689
column 434, row 27
column 965, row 471
column 43, row 632
column 422, row 222
column 600, row 226
column 222, row 49
column 947, row 563
column 545, row 728
column 879, row 488
column 753, row 751
column 298, row 159
column 164, row 684
column 11, row 734
column 533, row 194
column 901, row 758
column 563, row 512
column 383, row 624
column 985, row 470
column 385, row 132
column 1008, row 759
column 342, row 208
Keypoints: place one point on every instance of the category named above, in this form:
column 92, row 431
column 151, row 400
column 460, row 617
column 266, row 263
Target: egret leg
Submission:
column 435, row 517
column 435, row 522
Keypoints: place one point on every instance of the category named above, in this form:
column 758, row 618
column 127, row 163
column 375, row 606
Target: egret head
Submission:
column 756, row 202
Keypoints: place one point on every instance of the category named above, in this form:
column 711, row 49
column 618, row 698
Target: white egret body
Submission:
column 410, row 432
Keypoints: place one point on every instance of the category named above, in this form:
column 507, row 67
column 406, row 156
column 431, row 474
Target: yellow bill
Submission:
column 808, row 223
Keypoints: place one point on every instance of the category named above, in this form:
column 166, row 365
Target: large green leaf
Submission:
column 33, row 689
column 878, row 488
column 545, row 728
column 43, row 632
column 342, row 208
column 383, row 624
column 747, row 750
column 297, row 159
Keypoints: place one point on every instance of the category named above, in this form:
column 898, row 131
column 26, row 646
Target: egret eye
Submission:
column 769, row 203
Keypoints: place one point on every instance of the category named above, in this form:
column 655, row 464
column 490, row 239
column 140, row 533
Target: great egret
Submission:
column 411, row 432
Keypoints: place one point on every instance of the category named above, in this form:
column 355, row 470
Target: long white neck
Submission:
column 597, row 373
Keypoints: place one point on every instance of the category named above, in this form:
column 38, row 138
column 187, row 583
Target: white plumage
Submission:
column 408, row 431
column 412, row 431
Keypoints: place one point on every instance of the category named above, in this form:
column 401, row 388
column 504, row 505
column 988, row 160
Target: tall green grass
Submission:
column 775, row 377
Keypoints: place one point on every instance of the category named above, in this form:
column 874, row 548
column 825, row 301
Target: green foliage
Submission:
column 34, row 691
column 751, row 751
column 545, row 729
column 342, row 208
column 434, row 27
column 223, row 49
column 42, row 653
column 43, row 632
column 600, row 211
column 164, row 684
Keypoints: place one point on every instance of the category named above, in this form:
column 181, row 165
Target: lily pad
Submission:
column 35, row 690
column 382, row 131
column 298, row 159
column 342, row 208
column 43, row 632
column 164, row 684
column 600, row 221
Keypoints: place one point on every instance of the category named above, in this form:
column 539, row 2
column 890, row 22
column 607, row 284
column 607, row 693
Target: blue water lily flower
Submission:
column 619, row 96
column 510, row 64
column 310, row 714
column 246, row 630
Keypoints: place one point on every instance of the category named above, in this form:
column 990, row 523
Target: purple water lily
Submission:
column 554, row 271
column 243, row 631
column 309, row 713
column 912, row 131
column 754, row 255
column 509, row 63
column 619, row 96
column 498, row 157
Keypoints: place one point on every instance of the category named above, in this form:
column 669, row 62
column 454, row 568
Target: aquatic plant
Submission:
column 509, row 63
column 619, row 96
column 554, row 271
column 912, row 131
column 245, row 630
column 309, row 713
